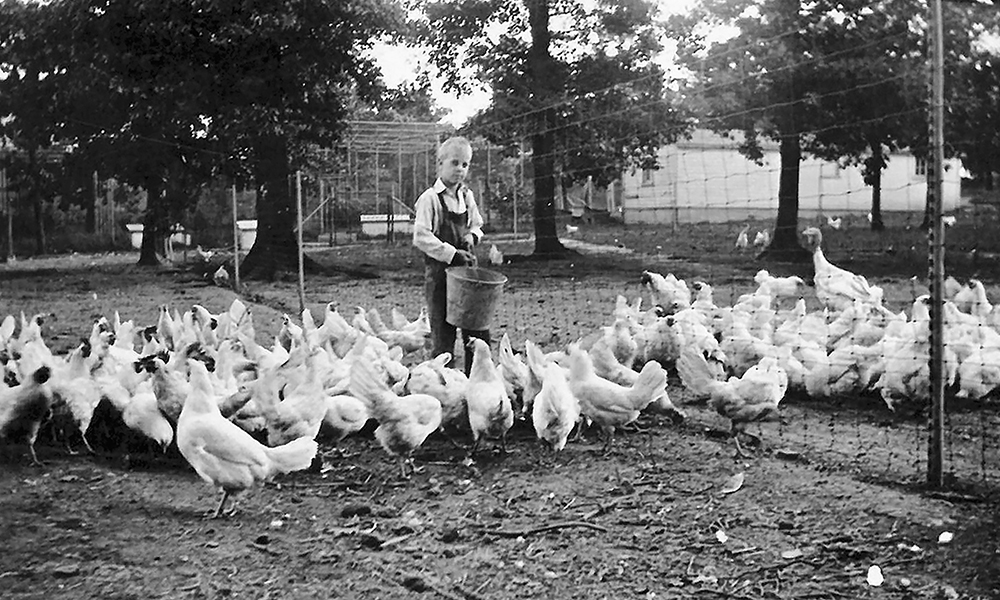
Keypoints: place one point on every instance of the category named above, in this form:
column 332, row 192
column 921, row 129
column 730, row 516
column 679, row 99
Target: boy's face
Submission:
column 454, row 166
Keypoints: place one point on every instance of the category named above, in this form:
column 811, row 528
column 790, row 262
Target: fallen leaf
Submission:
column 733, row 484
column 946, row 537
column 911, row 548
column 721, row 536
column 790, row 554
column 875, row 577
column 950, row 593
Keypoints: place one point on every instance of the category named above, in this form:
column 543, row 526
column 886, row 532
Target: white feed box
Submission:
column 178, row 235
column 248, row 232
column 378, row 225
column 135, row 234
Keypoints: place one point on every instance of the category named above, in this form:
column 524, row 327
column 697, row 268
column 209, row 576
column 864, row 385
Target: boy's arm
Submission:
column 423, row 231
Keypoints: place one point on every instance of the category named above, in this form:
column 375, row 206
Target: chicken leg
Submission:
column 222, row 503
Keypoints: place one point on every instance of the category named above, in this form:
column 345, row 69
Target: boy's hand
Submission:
column 470, row 241
column 462, row 258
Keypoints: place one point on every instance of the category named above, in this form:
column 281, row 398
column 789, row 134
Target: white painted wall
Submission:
column 707, row 179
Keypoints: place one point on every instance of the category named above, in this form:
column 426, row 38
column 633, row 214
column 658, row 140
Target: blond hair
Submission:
column 452, row 144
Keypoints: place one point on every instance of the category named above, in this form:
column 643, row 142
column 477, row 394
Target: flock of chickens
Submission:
column 241, row 412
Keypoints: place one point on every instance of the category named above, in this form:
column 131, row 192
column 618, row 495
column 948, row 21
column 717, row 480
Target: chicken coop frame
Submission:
column 375, row 174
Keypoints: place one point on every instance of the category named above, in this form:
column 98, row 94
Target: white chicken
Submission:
column 223, row 454
column 75, row 393
column 410, row 340
column 837, row 288
column 490, row 412
column 743, row 238
column 403, row 422
column 434, row 378
column 142, row 414
column 221, row 276
column 24, row 407
column 513, row 370
column 606, row 403
column 344, row 415
column 555, row 410
column 753, row 397
column 495, row 256
column 779, row 287
column 667, row 291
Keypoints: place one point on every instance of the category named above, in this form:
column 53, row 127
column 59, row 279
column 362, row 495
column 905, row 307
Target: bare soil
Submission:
column 833, row 489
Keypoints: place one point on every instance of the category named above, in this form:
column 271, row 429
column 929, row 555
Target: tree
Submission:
column 30, row 75
column 283, row 77
column 578, row 82
column 166, row 94
column 973, row 105
column 759, row 82
column 872, row 52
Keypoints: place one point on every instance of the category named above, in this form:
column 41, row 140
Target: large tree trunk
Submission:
column 877, row 223
column 276, row 248
column 785, row 244
column 41, row 247
column 873, row 177
column 90, row 205
column 542, row 78
column 546, row 240
column 37, row 203
column 151, row 223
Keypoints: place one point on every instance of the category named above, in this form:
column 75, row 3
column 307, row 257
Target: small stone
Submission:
column 450, row 535
column 262, row 540
column 67, row 570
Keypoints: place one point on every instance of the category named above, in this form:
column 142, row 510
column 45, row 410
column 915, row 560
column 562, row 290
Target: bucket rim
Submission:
column 457, row 273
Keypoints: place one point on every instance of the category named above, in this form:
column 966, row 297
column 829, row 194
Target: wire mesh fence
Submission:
column 702, row 210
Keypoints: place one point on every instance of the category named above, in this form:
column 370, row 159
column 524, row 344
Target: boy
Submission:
column 446, row 229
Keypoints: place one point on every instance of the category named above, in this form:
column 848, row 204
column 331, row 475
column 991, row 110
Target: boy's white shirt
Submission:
column 427, row 208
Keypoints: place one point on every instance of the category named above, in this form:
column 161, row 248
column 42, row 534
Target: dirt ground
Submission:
column 833, row 490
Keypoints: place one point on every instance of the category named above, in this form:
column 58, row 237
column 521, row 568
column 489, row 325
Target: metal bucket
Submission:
column 473, row 293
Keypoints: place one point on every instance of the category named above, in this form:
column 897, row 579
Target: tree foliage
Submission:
column 578, row 82
column 842, row 80
column 168, row 94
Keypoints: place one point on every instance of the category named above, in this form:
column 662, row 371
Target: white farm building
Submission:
column 707, row 179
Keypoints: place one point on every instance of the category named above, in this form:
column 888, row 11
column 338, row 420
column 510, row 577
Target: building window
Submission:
column 647, row 177
column 829, row 171
column 920, row 169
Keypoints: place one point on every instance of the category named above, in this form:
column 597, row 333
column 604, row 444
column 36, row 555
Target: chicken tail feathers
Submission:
column 695, row 372
column 366, row 384
column 651, row 384
column 296, row 455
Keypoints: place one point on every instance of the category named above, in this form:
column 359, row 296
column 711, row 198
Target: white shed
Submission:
column 707, row 179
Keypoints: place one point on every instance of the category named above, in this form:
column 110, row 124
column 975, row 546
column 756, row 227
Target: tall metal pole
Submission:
column 322, row 207
column 298, row 235
column 935, row 447
column 236, row 242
